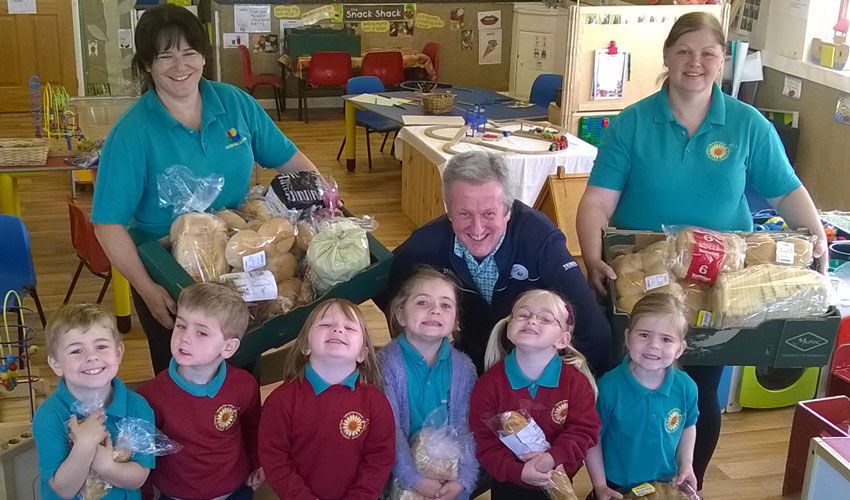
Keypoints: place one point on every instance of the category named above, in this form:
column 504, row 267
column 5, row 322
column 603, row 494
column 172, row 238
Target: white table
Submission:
column 423, row 161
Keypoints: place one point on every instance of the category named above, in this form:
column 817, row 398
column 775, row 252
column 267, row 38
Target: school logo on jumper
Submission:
column 717, row 151
column 559, row 411
column 352, row 425
column 674, row 420
column 235, row 138
column 225, row 417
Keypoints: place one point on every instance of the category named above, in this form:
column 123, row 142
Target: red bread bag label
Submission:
column 706, row 258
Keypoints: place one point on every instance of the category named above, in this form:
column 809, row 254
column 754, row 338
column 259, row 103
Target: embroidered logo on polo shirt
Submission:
column 673, row 420
column 519, row 272
column 225, row 417
column 559, row 411
column 235, row 138
column 352, row 425
column 717, row 151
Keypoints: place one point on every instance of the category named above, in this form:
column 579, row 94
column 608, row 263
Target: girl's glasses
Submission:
column 543, row 317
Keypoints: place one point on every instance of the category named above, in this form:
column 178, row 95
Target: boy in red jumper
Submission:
column 557, row 391
column 328, row 432
column 212, row 409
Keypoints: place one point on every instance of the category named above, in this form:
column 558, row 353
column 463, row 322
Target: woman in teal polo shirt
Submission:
column 684, row 156
column 182, row 119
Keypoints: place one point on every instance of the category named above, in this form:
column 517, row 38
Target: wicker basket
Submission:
column 438, row 104
column 22, row 152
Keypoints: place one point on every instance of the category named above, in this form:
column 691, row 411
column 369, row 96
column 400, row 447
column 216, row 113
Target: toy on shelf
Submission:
column 554, row 137
column 15, row 355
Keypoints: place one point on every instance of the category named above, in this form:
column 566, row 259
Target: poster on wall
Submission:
column 427, row 21
column 287, row 11
column 313, row 16
column 490, row 46
column 352, row 13
column 466, row 39
column 125, row 38
column 491, row 19
column 252, row 18
column 290, row 24
column 234, row 40
column 21, row 6
column 401, row 29
column 842, row 109
column 266, row 43
column 456, row 18
column 609, row 74
column 374, row 26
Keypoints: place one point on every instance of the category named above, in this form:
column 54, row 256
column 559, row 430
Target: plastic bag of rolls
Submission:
column 518, row 430
column 436, row 454
column 779, row 248
column 700, row 255
column 658, row 490
column 642, row 273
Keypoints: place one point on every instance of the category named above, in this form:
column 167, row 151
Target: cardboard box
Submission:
column 779, row 343
column 279, row 330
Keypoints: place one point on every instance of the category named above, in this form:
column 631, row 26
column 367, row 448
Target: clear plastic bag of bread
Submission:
column 661, row 490
column 198, row 242
column 338, row 251
column 436, row 451
column 780, row 248
column 179, row 188
column 133, row 436
column 701, row 255
column 521, row 434
column 644, row 272
column 745, row 298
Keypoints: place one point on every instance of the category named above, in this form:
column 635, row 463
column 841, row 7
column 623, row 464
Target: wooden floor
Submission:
column 750, row 458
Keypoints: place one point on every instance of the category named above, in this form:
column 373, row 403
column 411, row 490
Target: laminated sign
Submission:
column 353, row 13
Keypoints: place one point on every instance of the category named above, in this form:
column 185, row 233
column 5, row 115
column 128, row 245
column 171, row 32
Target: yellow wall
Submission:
column 458, row 67
column 822, row 155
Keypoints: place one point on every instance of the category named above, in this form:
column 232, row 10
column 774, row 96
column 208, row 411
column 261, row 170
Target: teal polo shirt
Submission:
column 209, row 390
column 146, row 140
column 666, row 177
column 549, row 378
column 427, row 387
column 320, row 385
column 50, row 428
column 641, row 428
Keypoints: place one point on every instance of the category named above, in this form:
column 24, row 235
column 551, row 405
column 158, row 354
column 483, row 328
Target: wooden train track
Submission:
column 460, row 136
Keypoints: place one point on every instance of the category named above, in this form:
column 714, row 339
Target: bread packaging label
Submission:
column 707, row 257
column 528, row 439
column 643, row 489
column 253, row 286
column 656, row 281
column 785, row 252
column 254, row 261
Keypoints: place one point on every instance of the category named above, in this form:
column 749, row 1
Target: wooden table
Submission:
column 10, row 204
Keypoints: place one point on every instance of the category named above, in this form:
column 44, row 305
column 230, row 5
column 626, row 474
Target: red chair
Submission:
column 253, row 80
column 88, row 249
column 327, row 69
column 432, row 50
column 387, row 66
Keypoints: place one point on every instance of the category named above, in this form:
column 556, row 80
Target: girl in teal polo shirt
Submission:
column 182, row 119
column 647, row 406
column 684, row 156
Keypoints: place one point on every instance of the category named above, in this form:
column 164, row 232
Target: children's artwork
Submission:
column 425, row 21
column 264, row 44
column 466, row 38
column 401, row 29
column 842, row 109
column 252, row 18
column 490, row 19
column 609, row 74
column 456, row 18
column 490, row 46
column 93, row 48
column 125, row 38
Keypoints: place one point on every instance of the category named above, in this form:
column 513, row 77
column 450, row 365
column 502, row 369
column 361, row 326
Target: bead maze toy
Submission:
column 15, row 354
column 475, row 131
column 61, row 124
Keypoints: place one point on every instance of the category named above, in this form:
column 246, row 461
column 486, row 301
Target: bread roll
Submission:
column 628, row 263
column 304, row 236
column 628, row 302
column 630, row 283
column 282, row 266
column 513, row 421
column 231, row 219
column 282, row 233
column 245, row 242
column 730, row 248
column 257, row 209
column 656, row 255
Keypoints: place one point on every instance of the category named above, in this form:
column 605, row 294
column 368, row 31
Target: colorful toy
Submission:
column 8, row 362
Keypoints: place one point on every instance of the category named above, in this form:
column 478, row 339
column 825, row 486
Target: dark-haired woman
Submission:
column 684, row 156
column 180, row 119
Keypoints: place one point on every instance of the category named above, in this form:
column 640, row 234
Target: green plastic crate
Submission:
column 279, row 330
column 779, row 343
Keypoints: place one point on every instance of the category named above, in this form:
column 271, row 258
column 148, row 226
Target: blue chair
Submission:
column 367, row 119
column 544, row 88
column 16, row 269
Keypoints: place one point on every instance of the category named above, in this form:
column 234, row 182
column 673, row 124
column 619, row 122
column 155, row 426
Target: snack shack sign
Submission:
column 353, row 13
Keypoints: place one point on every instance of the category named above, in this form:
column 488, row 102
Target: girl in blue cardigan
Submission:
column 423, row 373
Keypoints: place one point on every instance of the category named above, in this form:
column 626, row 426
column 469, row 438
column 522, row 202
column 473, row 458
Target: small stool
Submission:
column 813, row 418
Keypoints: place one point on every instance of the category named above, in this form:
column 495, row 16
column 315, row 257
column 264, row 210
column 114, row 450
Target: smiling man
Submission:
column 496, row 248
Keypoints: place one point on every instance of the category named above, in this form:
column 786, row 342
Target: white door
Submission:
column 535, row 55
